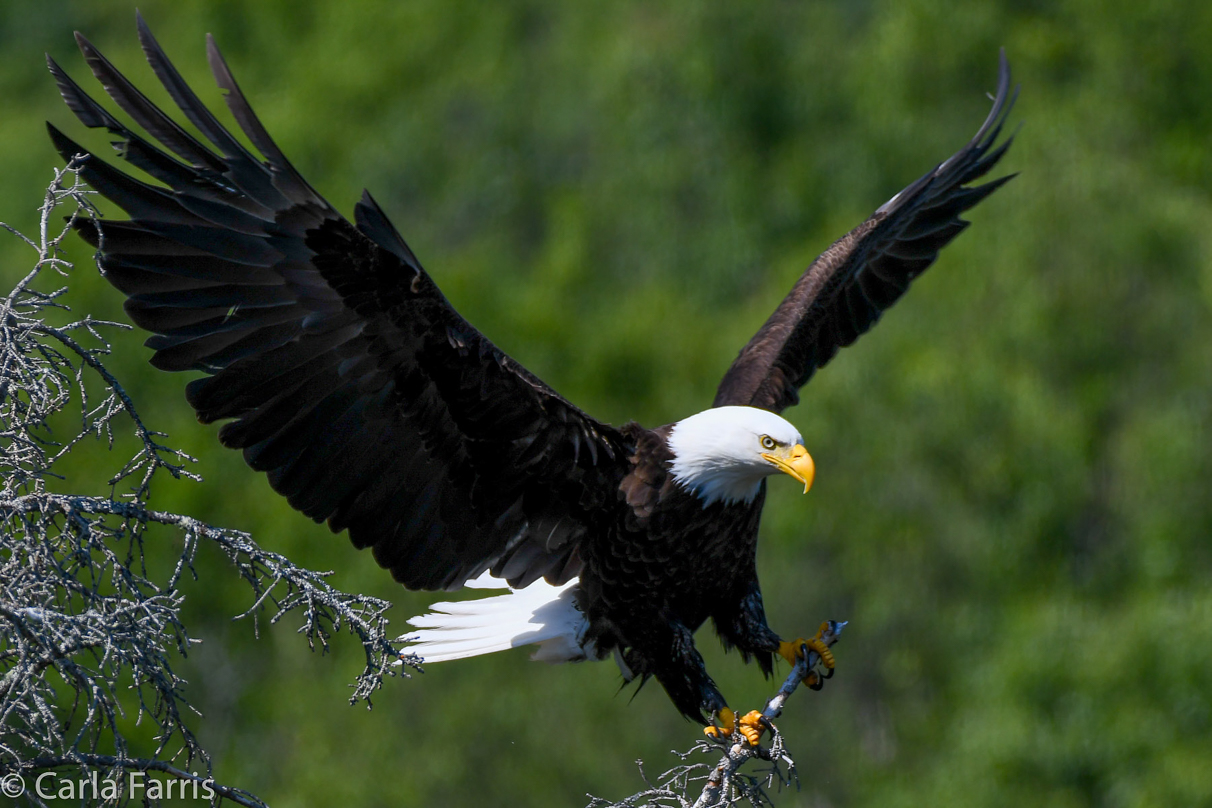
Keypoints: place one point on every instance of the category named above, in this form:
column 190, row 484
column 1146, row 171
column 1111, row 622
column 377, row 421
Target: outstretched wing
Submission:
column 849, row 286
column 351, row 380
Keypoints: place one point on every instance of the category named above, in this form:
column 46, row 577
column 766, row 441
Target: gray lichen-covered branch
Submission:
column 89, row 634
column 703, row 785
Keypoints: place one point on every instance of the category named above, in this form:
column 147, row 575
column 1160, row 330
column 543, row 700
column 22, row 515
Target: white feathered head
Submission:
column 724, row 453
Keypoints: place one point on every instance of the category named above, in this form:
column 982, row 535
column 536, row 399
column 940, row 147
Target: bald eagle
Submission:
column 343, row 373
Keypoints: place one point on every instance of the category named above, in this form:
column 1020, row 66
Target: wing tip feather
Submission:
column 939, row 196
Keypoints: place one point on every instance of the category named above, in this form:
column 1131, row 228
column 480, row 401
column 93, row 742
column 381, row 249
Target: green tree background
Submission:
column 1012, row 505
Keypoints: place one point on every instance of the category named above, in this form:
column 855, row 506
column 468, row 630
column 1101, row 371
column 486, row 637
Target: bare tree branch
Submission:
column 88, row 633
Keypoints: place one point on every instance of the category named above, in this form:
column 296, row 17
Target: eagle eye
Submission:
column 767, row 442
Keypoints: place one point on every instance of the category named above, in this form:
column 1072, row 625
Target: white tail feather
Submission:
column 540, row 614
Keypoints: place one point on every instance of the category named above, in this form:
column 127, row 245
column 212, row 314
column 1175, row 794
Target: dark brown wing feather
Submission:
column 849, row 286
column 351, row 380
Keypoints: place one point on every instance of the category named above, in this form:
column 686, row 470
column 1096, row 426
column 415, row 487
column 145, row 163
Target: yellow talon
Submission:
column 750, row 727
column 725, row 727
column 791, row 652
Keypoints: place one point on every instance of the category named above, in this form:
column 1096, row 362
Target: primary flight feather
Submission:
column 346, row 376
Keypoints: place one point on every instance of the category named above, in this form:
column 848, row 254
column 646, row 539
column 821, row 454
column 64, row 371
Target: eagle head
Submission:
column 724, row 453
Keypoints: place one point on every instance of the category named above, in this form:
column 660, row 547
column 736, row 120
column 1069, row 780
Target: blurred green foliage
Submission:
column 1012, row 505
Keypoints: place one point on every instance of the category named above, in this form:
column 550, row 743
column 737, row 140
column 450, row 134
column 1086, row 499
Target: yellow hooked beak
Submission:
column 794, row 461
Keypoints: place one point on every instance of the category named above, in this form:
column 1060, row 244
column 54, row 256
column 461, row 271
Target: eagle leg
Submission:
column 795, row 650
column 665, row 649
column 742, row 625
column 750, row 726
